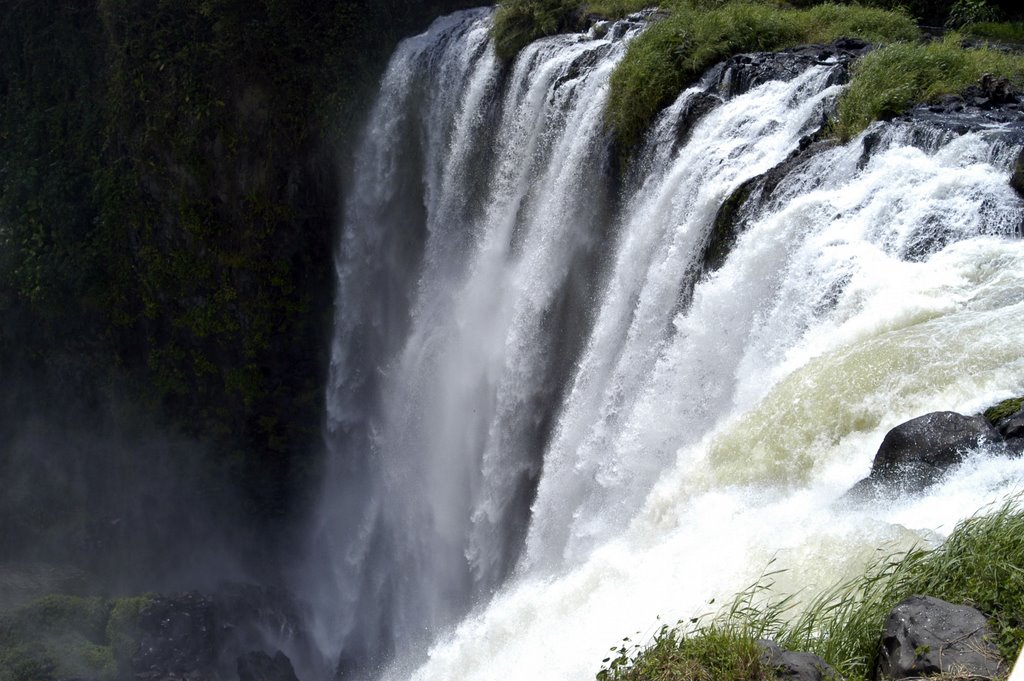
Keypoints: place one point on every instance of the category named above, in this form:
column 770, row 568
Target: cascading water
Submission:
column 536, row 369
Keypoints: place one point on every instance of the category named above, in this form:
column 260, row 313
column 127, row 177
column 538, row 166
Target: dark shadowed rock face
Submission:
column 746, row 71
column 925, row 636
column 195, row 637
column 795, row 666
column 258, row 666
column 916, row 454
column 177, row 638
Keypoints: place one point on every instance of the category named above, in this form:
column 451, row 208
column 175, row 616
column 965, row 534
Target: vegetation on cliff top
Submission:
column 889, row 80
column 673, row 53
column 695, row 34
column 981, row 564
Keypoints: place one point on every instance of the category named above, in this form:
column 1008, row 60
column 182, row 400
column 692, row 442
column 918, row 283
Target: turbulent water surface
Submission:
column 552, row 423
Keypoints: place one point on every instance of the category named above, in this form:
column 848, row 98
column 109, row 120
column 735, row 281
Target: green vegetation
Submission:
column 67, row 636
column 673, row 53
column 1005, row 408
column 716, row 654
column 1004, row 32
column 887, row 81
column 981, row 564
column 517, row 23
column 168, row 196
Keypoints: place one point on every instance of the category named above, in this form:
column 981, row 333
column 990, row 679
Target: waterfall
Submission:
column 553, row 420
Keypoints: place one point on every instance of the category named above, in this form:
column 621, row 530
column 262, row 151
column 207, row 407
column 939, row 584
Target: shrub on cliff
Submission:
column 672, row 54
column 887, row 81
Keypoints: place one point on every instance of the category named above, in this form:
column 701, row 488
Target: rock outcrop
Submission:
column 925, row 636
column 916, row 454
column 207, row 638
column 258, row 666
column 795, row 666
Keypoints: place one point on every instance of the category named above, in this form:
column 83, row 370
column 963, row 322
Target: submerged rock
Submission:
column 925, row 636
column 795, row 666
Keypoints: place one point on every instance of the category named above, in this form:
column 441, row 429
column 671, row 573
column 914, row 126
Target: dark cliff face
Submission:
column 169, row 182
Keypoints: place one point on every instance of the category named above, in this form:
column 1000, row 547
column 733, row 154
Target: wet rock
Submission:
column 203, row 637
column 746, row 71
column 991, row 102
column 177, row 639
column 258, row 666
column 1013, row 426
column 793, row 665
column 916, row 454
column 696, row 108
column 925, row 636
column 1017, row 179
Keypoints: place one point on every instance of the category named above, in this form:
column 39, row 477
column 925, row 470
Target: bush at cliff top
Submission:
column 886, row 82
column 673, row 53
column 980, row 564
column 517, row 23
column 64, row 636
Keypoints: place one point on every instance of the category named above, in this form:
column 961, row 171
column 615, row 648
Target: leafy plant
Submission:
column 965, row 12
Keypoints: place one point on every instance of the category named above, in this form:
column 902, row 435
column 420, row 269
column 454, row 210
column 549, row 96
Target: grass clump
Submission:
column 887, row 81
column 980, row 564
column 673, row 53
column 517, row 23
column 616, row 9
column 718, row 654
column 1000, row 32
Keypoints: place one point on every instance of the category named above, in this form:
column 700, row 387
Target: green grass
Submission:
column 981, row 564
column 616, row 9
column 673, row 53
column 517, row 23
column 887, row 81
column 1000, row 32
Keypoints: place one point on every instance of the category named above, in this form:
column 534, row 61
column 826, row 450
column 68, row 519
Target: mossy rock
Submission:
column 68, row 636
column 1004, row 409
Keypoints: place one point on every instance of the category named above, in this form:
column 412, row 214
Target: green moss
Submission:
column 888, row 81
column 673, row 53
column 69, row 636
column 56, row 636
column 1005, row 408
column 122, row 627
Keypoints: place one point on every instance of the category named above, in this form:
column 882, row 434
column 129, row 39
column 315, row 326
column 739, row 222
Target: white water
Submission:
column 501, row 326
